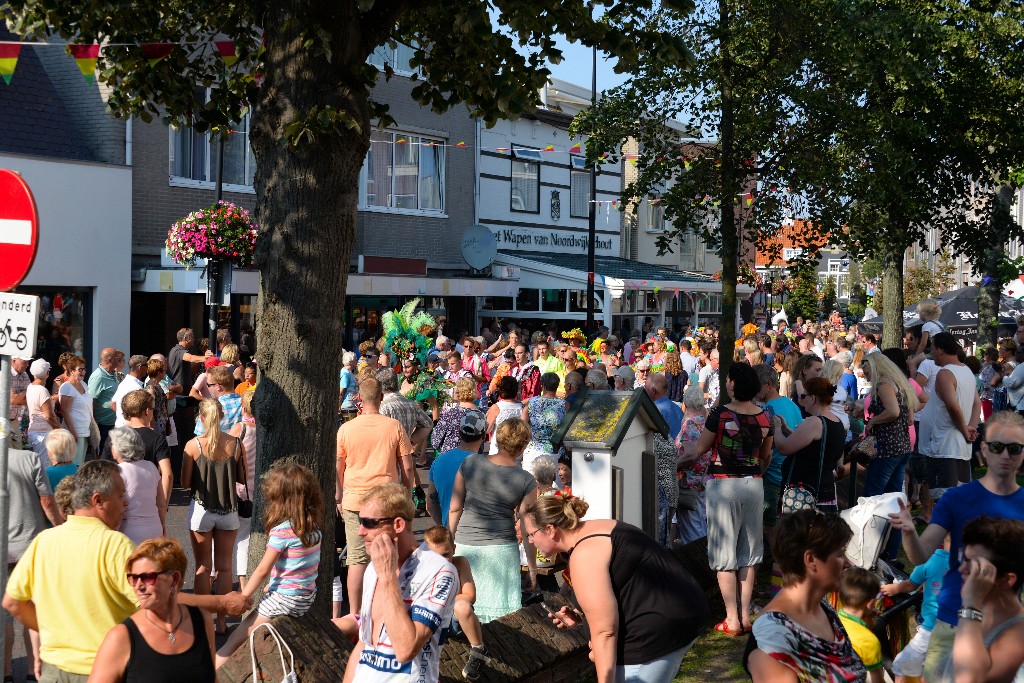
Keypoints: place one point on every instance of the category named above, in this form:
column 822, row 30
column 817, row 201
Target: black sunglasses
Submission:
column 374, row 522
column 148, row 578
column 997, row 447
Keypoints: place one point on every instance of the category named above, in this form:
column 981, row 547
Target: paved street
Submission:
column 177, row 526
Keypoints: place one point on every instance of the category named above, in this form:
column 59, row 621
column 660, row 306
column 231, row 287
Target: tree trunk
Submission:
column 892, row 304
column 306, row 197
column 991, row 289
column 729, row 189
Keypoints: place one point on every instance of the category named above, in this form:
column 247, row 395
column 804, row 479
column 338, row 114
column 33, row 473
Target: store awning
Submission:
column 246, row 282
column 537, row 269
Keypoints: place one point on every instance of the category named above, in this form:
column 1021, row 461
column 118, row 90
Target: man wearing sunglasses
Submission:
column 996, row 494
column 70, row 583
column 408, row 595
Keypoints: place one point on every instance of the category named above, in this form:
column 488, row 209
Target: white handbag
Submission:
column 289, row 672
column 869, row 519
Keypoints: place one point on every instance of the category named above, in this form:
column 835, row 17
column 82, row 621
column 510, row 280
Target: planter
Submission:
column 221, row 231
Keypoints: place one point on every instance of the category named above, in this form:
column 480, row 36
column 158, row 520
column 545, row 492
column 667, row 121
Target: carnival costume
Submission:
column 582, row 355
column 406, row 335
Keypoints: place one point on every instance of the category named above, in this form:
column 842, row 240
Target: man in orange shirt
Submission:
column 372, row 450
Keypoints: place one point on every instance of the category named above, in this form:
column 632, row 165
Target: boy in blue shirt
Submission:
column 910, row 661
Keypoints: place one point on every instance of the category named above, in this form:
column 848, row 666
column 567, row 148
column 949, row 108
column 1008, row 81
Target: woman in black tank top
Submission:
column 164, row 642
column 643, row 609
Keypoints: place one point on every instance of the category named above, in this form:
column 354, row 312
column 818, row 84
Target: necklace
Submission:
column 170, row 634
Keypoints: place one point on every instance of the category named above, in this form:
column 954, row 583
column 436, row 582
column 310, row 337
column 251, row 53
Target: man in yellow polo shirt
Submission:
column 71, row 585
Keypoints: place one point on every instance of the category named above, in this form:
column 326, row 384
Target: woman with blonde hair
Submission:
column 445, row 436
column 488, row 492
column 675, row 376
column 212, row 467
column 752, row 352
column 229, row 356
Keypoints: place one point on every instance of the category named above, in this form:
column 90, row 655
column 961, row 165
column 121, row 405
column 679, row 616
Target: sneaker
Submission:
column 477, row 658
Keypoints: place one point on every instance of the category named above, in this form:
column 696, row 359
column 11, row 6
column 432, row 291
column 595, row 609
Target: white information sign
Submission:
column 19, row 324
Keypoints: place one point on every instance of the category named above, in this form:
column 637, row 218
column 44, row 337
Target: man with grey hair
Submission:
column 138, row 370
column 596, row 380
column 848, row 380
column 85, row 558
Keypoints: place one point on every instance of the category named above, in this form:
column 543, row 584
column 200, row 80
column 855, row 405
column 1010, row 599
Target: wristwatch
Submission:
column 969, row 613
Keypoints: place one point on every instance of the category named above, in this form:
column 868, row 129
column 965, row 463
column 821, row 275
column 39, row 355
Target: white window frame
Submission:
column 526, row 155
column 792, row 254
column 385, row 54
column 654, row 218
column 578, row 170
column 422, row 138
column 186, row 181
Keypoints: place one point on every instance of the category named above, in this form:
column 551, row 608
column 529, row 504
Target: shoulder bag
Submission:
column 287, row 672
column 244, row 506
column 798, row 496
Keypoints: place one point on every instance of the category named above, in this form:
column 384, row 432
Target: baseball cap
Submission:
column 27, row 359
column 433, row 358
column 39, row 368
column 626, row 373
column 212, row 362
column 473, row 425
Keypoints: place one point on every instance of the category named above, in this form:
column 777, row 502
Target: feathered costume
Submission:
column 405, row 335
column 582, row 354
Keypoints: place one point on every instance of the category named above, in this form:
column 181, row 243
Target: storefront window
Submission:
column 578, row 301
column 528, row 300
column 65, row 315
column 554, row 300
column 496, row 303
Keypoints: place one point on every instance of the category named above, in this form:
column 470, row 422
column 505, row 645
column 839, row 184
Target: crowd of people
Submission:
column 750, row 460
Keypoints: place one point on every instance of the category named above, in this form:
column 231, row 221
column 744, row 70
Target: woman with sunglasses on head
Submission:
column 164, row 642
column 811, row 465
column 798, row 638
column 644, row 610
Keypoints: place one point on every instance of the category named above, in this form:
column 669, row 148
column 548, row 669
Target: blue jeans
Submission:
column 660, row 670
column 885, row 475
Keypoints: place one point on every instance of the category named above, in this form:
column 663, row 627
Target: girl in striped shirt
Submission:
column 294, row 507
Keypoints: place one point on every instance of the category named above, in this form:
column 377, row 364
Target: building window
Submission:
column 193, row 155
column 528, row 300
column 655, row 217
column 396, row 57
column 792, row 254
column 525, row 180
column 579, row 187
column 403, row 171
column 554, row 300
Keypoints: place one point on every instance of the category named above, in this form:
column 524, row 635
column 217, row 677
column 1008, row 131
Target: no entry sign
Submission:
column 19, row 229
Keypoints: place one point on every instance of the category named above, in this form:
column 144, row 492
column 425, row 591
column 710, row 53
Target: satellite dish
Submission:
column 479, row 246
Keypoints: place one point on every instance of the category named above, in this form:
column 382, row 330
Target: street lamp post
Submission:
column 592, row 229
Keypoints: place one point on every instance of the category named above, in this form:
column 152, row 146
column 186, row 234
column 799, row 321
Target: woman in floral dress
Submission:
column 691, row 517
column 445, row 436
column 543, row 413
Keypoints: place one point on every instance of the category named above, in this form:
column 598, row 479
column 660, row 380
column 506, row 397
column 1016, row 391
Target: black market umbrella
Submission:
column 959, row 313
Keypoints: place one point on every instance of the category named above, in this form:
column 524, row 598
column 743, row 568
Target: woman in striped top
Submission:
column 294, row 509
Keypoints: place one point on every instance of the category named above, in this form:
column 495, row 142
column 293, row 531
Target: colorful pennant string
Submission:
column 156, row 51
column 226, row 50
column 8, row 60
column 85, row 56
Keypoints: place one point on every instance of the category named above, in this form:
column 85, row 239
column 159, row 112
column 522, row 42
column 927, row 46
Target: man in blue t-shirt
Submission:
column 472, row 430
column 785, row 408
column 996, row 494
column 657, row 388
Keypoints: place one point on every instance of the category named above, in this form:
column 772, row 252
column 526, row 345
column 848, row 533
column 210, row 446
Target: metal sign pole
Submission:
column 5, row 411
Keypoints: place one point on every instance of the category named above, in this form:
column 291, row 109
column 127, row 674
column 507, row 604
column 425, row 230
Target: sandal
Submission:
column 723, row 627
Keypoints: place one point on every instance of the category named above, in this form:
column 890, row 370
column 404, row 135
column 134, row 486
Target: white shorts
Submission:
column 202, row 520
column 337, row 592
column 910, row 661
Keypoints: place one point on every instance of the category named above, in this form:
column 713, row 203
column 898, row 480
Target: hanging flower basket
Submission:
column 223, row 231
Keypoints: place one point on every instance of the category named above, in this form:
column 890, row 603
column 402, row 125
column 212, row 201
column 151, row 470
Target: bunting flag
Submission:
column 686, row 164
column 460, row 144
column 156, row 51
column 549, row 148
column 750, row 198
column 86, row 56
column 501, row 149
column 401, row 141
column 8, row 60
column 226, row 50
column 576, row 149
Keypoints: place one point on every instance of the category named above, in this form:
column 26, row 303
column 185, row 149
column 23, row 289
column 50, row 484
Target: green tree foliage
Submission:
column 923, row 280
column 803, row 301
column 303, row 75
column 931, row 92
column 829, row 299
column 754, row 92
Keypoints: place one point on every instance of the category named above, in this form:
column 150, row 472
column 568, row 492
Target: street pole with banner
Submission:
column 19, row 322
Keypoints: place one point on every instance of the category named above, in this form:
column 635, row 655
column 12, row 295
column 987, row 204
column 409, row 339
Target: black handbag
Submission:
column 244, row 506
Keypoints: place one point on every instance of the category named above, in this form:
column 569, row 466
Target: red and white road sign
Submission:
column 19, row 229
